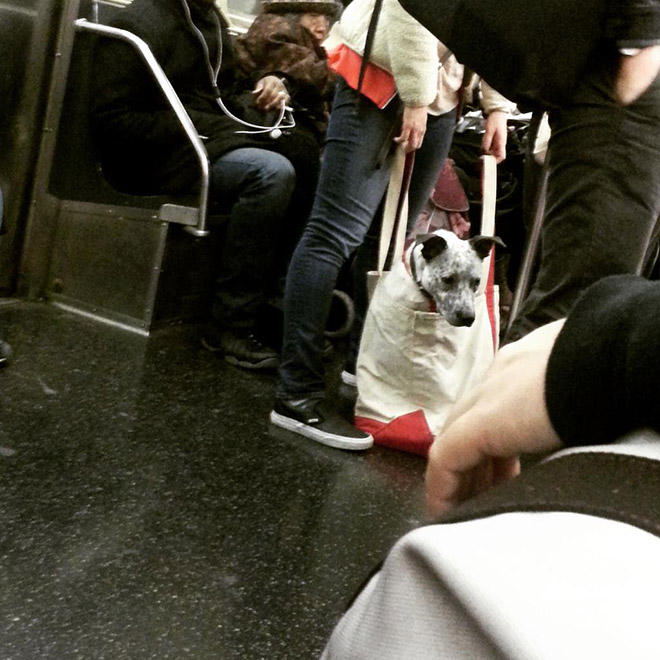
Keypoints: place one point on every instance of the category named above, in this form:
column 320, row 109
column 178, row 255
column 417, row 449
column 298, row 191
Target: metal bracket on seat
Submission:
column 181, row 215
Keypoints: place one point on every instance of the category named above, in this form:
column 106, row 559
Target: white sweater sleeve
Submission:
column 493, row 101
column 413, row 55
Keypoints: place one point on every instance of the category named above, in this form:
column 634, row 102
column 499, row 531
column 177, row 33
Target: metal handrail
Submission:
column 176, row 105
column 530, row 253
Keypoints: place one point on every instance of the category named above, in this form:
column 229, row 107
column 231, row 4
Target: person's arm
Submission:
column 273, row 46
column 604, row 370
column 126, row 103
column 497, row 109
column 586, row 381
column 636, row 73
column 634, row 25
column 413, row 53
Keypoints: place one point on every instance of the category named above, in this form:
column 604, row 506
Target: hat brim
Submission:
column 328, row 8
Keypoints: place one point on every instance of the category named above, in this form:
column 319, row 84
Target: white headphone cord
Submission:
column 276, row 129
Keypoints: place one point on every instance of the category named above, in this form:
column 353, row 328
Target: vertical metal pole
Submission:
column 531, row 250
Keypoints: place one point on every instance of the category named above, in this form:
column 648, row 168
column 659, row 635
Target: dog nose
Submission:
column 464, row 320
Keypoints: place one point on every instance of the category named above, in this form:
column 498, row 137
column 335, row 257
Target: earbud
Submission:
column 275, row 133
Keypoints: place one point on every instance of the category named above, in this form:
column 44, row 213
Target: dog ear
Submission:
column 482, row 244
column 432, row 245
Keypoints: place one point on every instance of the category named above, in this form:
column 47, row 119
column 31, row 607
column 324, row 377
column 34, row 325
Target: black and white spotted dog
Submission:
column 444, row 271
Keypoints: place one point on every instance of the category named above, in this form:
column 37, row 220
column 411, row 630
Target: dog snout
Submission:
column 464, row 319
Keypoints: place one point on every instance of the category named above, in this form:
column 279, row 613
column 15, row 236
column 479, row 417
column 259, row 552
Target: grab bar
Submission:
column 175, row 103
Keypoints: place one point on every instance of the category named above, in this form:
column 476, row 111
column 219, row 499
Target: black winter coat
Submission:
column 140, row 143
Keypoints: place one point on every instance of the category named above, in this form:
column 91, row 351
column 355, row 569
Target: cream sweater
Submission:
column 412, row 55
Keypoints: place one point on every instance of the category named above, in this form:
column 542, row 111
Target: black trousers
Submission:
column 603, row 196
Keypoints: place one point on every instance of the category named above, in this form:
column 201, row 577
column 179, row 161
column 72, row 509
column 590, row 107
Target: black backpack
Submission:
column 532, row 51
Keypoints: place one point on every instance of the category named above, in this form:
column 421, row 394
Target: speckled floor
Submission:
column 146, row 510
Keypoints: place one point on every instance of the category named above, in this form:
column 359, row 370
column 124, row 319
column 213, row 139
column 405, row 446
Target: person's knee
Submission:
column 275, row 172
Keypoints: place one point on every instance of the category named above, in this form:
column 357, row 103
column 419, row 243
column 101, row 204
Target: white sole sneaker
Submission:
column 329, row 439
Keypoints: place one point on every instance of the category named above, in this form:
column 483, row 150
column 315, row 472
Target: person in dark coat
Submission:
column 143, row 150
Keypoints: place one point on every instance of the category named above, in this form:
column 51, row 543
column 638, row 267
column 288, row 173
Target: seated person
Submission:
column 144, row 150
column 285, row 38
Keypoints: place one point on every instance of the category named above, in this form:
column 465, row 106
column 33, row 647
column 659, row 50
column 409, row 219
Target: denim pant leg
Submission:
column 351, row 185
column 603, row 197
column 258, row 184
column 429, row 159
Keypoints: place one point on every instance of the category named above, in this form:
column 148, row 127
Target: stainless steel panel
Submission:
column 27, row 33
column 107, row 264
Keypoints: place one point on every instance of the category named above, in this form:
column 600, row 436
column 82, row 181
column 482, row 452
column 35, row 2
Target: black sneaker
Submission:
column 5, row 353
column 241, row 349
column 318, row 420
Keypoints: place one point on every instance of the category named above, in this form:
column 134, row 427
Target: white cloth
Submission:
column 529, row 586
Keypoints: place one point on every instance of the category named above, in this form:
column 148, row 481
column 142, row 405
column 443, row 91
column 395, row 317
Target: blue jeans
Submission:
column 258, row 185
column 354, row 176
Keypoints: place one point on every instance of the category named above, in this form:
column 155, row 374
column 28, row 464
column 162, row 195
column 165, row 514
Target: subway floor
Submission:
column 148, row 511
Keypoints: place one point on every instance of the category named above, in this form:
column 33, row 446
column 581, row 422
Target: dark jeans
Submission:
column 603, row 196
column 353, row 179
column 258, row 184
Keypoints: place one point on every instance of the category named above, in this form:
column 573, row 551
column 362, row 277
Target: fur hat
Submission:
column 329, row 7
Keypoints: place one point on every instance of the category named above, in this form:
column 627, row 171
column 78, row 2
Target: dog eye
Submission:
column 475, row 283
column 449, row 280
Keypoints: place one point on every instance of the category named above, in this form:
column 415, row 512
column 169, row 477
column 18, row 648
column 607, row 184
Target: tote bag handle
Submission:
column 489, row 194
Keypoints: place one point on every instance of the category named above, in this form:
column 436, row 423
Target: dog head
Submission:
column 448, row 270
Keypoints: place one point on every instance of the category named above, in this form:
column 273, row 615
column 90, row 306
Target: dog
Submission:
column 418, row 353
column 441, row 273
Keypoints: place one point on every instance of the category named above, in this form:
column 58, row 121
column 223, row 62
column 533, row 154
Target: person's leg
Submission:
column 258, row 185
column 603, row 198
column 429, row 160
column 351, row 185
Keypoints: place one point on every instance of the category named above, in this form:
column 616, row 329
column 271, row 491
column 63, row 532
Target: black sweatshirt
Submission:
column 603, row 376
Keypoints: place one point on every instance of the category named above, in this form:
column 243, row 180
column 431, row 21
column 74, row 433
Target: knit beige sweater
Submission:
column 412, row 55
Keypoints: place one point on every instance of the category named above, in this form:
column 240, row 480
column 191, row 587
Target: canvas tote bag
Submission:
column 413, row 366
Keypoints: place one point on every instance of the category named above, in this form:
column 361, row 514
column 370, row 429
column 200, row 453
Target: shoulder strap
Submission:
column 619, row 487
column 368, row 44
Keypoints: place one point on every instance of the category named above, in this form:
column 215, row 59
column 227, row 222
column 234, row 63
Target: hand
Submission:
column 636, row 73
column 494, row 140
column 493, row 424
column 413, row 128
column 269, row 93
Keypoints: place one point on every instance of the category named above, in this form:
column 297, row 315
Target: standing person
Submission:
column 143, row 150
column 401, row 86
column 603, row 190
